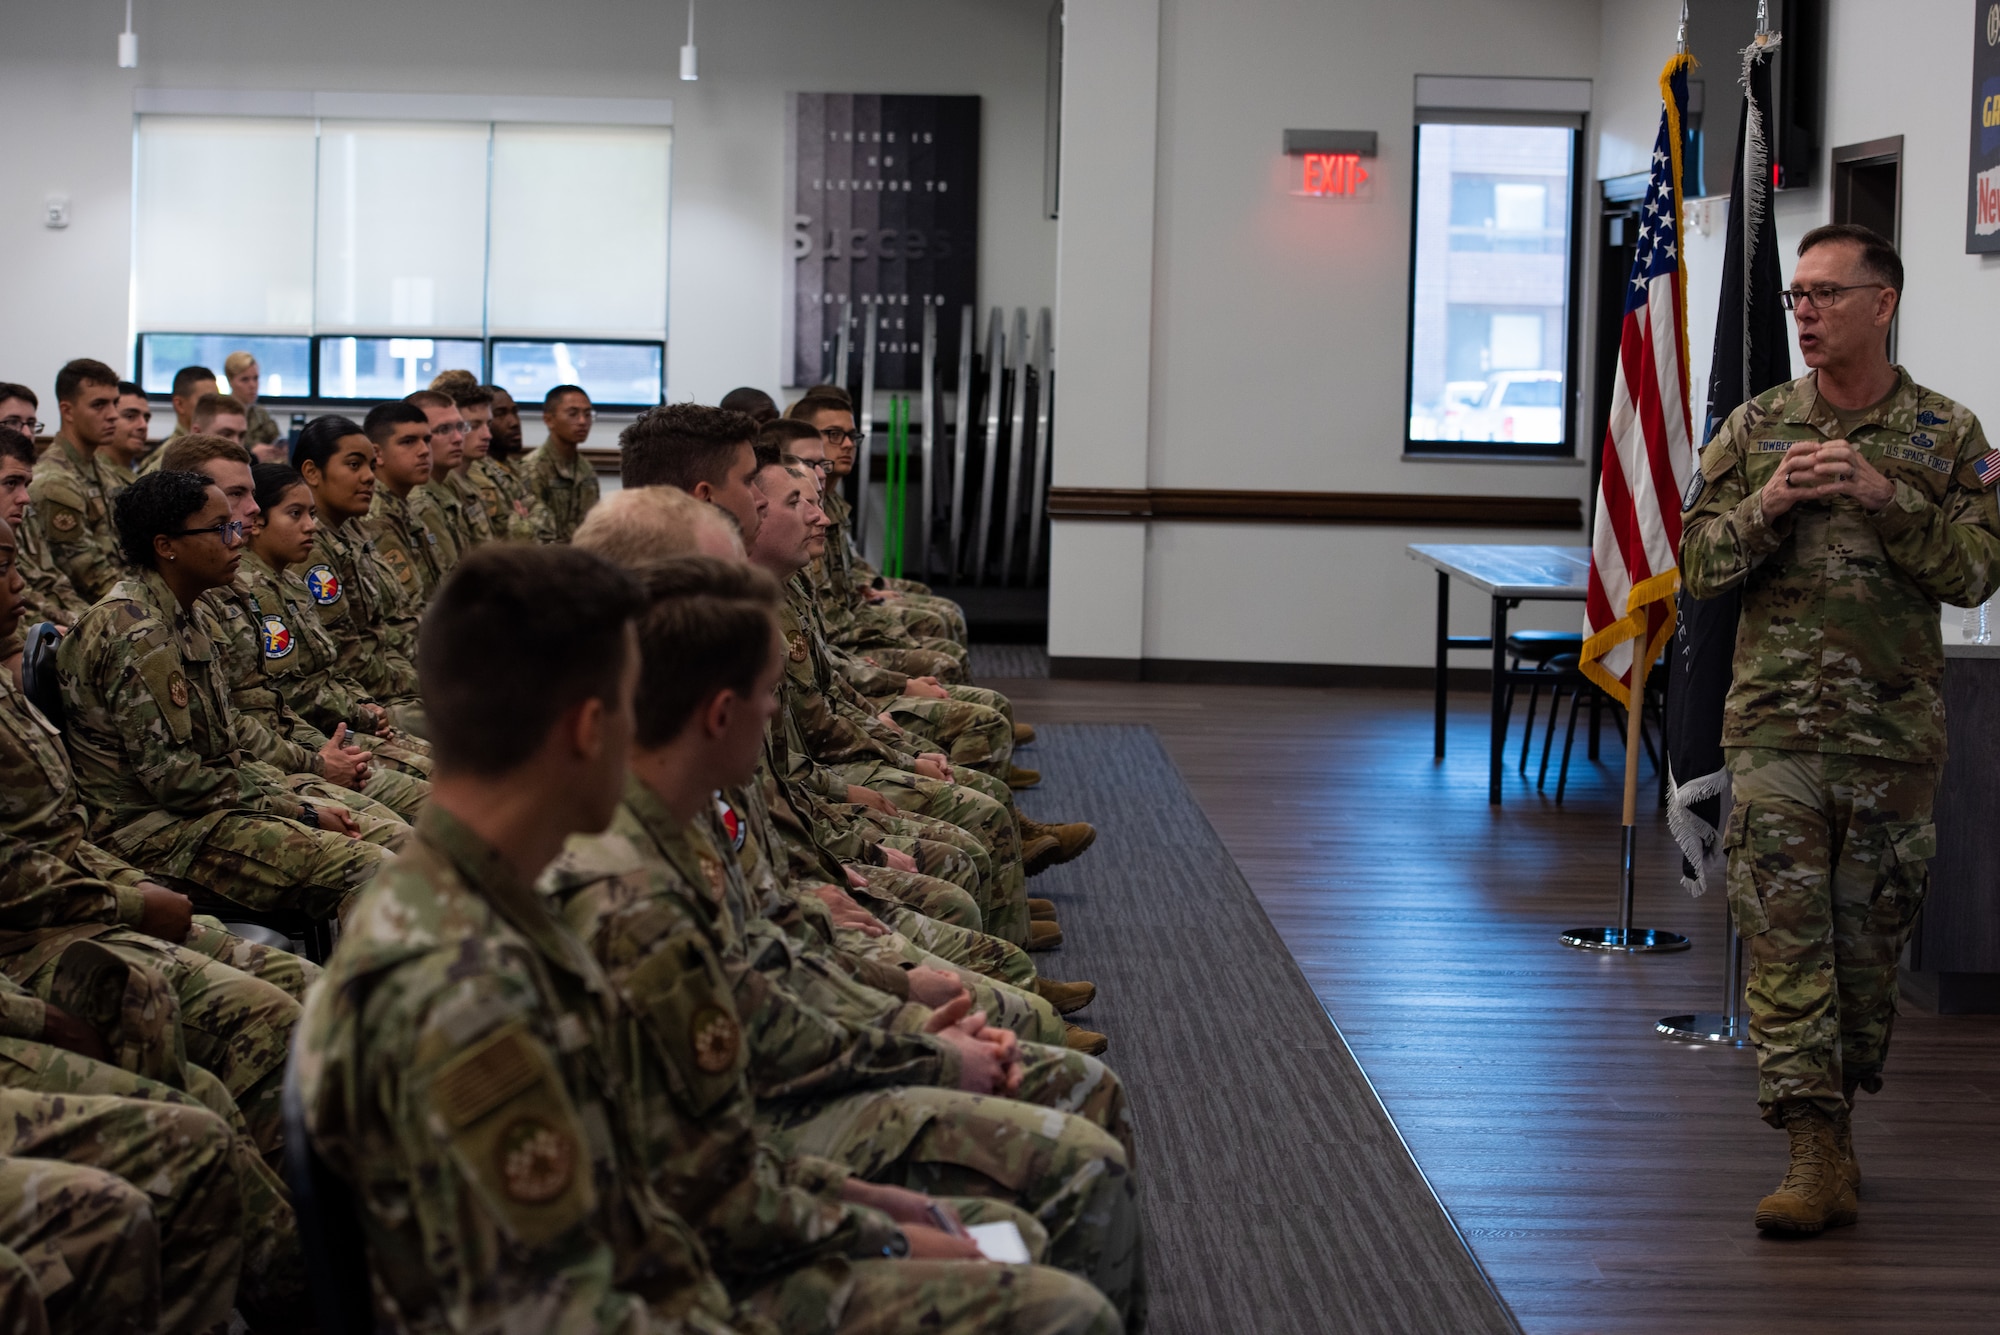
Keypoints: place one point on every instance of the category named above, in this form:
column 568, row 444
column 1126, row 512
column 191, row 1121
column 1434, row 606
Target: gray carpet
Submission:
column 1279, row 1197
column 1008, row 660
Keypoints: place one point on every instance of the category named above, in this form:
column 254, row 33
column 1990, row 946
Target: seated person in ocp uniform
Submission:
column 157, row 757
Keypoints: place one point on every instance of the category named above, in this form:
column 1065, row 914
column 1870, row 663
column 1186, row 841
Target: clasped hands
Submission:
column 1814, row 470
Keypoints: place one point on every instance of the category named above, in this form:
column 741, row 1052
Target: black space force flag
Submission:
column 1752, row 354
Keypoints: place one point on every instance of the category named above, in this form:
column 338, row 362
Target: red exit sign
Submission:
column 1328, row 175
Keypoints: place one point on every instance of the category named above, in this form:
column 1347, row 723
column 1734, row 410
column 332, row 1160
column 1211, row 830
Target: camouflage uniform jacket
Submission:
column 49, row 594
column 811, row 1029
column 460, row 1067
column 362, row 607
column 1839, row 648
column 72, row 505
column 150, row 728
column 760, row 1213
column 266, row 726
column 263, row 428
column 405, row 545
column 473, row 524
column 51, row 875
column 567, row 488
column 510, row 508
column 299, row 653
column 437, row 506
column 837, row 726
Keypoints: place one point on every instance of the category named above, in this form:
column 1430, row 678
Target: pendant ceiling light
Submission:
column 128, row 42
column 687, row 52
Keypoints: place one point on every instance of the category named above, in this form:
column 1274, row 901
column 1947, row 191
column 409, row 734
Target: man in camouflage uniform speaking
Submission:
column 1847, row 504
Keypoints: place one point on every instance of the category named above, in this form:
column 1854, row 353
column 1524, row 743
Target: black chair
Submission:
column 1539, row 647
column 330, row 1233
column 303, row 935
column 1653, row 703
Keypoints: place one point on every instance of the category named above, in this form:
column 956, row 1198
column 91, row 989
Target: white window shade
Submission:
column 208, row 255
column 402, row 226
column 579, row 230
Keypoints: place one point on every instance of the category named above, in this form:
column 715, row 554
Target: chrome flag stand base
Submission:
column 1625, row 937
column 1729, row 1029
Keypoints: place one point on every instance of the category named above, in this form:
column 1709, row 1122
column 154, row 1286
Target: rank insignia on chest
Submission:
column 1987, row 467
column 715, row 1038
column 795, row 645
column 732, row 822
column 535, row 1160
column 277, row 637
column 323, row 585
column 177, row 690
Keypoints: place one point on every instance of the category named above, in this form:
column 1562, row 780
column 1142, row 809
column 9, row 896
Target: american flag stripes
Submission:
column 1648, row 450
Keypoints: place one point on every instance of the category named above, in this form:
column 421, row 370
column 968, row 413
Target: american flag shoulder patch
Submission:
column 1987, row 468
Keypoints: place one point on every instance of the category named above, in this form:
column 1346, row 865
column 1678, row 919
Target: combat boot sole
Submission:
column 1793, row 1215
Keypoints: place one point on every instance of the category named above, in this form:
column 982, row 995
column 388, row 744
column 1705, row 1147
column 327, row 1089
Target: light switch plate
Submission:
column 55, row 211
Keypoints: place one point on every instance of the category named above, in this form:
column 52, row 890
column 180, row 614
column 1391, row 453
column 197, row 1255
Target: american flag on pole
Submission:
column 1648, row 454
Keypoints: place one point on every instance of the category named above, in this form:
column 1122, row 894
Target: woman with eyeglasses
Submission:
column 157, row 758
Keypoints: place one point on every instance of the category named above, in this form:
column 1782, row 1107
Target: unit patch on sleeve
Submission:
column 715, row 1037
column 323, row 585
column 535, row 1160
column 277, row 637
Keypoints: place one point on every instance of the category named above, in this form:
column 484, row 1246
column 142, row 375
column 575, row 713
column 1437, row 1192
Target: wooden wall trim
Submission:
column 1316, row 507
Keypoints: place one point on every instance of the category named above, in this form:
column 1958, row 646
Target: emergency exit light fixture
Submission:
column 1330, row 161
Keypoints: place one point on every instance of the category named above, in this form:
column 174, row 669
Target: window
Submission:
column 387, row 247
column 1492, row 286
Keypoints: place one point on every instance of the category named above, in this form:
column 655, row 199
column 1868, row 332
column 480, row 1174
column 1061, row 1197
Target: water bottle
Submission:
column 1978, row 626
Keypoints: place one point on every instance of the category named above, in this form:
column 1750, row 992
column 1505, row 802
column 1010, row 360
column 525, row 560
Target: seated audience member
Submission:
column 360, row 600
column 300, row 653
column 556, row 473
column 404, row 538
column 74, row 481
column 157, row 759
column 710, row 658
column 190, row 384
column 128, row 445
column 18, row 408
column 494, row 1197
column 448, row 502
column 755, row 404
column 218, row 415
column 927, row 615
column 511, row 511
column 261, row 429
column 58, row 889
column 49, row 595
column 297, row 755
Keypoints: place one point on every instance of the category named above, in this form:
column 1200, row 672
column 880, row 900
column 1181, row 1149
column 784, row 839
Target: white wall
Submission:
column 68, row 113
column 1279, row 325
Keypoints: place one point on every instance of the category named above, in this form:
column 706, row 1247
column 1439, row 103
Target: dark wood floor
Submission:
column 1604, row 1177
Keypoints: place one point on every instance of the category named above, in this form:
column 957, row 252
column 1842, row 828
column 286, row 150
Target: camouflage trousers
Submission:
column 974, row 734
column 1827, row 869
column 941, row 849
column 1007, row 1004
column 374, row 807
column 289, row 973
column 932, row 1298
column 936, row 899
column 79, row 1243
column 179, row 1158
column 266, row 862
column 406, row 755
column 403, row 793
column 235, row 1026
column 914, row 662
column 986, row 818
column 273, row 1275
column 1070, row 1175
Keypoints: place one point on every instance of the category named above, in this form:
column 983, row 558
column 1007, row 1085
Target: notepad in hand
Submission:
column 999, row 1242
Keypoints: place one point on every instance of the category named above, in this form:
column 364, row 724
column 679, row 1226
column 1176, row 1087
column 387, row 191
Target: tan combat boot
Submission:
column 1045, row 846
column 1024, row 733
column 1066, row 998
column 1816, row 1193
column 1018, row 778
column 1041, row 910
column 1087, row 1041
column 1043, row 935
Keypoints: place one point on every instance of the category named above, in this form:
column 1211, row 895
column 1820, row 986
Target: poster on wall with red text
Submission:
column 884, row 213
column 1982, row 224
